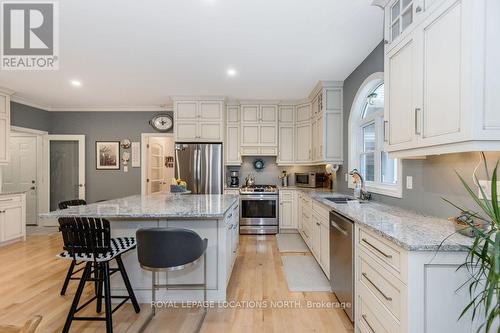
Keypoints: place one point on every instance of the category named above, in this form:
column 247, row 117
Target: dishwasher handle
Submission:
column 336, row 226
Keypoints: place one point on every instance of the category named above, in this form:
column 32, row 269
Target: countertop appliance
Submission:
column 235, row 179
column 259, row 210
column 200, row 165
column 310, row 179
column 342, row 260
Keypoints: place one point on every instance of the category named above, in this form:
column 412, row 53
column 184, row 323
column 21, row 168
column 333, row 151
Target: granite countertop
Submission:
column 154, row 206
column 408, row 229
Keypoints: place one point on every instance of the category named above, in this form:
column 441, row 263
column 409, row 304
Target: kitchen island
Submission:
column 214, row 217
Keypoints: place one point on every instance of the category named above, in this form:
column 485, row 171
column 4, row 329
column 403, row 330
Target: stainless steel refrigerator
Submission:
column 200, row 165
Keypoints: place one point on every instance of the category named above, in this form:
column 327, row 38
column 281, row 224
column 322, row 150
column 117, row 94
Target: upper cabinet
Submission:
column 232, row 145
column 259, row 129
column 199, row 120
column 4, row 128
column 441, row 87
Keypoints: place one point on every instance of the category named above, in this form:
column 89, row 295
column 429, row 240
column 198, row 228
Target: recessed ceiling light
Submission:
column 231, row 72
column 76, row 83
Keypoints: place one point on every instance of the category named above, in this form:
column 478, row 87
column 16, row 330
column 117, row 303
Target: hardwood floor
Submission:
column 31, row 277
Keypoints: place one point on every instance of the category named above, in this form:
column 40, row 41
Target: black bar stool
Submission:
column 71, row 269
column 171, row 249
column 89, row 240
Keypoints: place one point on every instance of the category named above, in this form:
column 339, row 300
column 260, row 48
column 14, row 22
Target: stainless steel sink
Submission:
column 342, row 200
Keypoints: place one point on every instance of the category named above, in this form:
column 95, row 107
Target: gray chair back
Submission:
column 168, row 248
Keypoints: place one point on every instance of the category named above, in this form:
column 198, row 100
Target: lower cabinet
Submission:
column 12, row 217
column 232, row 222
column 313, row 226
column 287, row 214
column 399, row 291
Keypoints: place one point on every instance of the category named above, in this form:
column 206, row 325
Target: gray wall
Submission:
column 29, row 117
column 433, row 178
column 96, row 126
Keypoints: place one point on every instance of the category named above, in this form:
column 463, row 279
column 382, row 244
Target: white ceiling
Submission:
column 136, row 53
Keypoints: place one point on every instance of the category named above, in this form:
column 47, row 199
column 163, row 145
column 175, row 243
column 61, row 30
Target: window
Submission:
column 381, row 173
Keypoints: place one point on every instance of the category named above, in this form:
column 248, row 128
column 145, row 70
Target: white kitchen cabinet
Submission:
column 259, row 130
column 12, row 217
column 286, row 114
column 408, row 291
column 287, row 210
column 303, row 143
column 232, row 146
column 286, row 140
column 232, row 239
column 250, row 113
column 316, row 236
column 439, row 81
column 324, row 251
column 303, row 112
column 4, row 128
column 199, row 120
column 233, row 114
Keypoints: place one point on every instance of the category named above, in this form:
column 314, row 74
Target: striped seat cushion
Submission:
column 118, row 246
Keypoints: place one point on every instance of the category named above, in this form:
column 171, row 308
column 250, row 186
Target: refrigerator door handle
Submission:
column 195, row 170
column 198, row 171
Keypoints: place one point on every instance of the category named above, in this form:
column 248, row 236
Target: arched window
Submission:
column 366, row 140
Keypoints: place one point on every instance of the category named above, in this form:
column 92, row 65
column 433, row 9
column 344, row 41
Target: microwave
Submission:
column 310, row 179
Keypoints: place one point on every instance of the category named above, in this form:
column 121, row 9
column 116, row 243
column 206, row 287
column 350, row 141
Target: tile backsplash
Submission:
column 269, row 175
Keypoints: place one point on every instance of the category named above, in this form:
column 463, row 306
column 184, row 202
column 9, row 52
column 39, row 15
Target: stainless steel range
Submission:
column 259, row 209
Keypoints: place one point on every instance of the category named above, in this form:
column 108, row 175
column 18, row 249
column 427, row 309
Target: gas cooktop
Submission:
column 260, row 189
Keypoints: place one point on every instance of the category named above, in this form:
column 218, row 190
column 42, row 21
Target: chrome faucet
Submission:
column 364, row 194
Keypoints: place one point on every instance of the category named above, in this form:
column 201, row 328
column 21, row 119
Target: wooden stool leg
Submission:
column 127, row 284
column 107, row 298
column 76, row 299
column 68, row 277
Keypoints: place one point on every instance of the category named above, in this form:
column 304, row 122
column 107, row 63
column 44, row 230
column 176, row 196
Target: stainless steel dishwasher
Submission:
column 342, row 260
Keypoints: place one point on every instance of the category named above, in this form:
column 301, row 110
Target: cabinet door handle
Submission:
column 376, row 248
column 386, row 122
column 10, row 199
column 418, row 9
column 318, row 224
column 367, row 323
column 417, row 121
column 376, row 287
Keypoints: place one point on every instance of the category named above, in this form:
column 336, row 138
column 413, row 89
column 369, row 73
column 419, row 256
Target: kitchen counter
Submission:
column 210, row 216
column 154, row 206
column 407, row 229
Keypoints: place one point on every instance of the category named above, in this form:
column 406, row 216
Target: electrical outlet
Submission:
column 486, row 185
column 409, row 182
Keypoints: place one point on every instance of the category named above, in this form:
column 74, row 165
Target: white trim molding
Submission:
column 370, row 83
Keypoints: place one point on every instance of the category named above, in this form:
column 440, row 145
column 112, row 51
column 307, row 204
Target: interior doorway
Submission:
column 66, row 168
column 24, row 173
column 157, row 155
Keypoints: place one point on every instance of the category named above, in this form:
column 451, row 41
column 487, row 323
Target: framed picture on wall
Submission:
column 107, row 155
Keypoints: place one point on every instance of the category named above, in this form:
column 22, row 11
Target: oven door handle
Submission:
column 260, row 198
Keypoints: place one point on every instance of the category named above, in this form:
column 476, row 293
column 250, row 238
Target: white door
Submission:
column 250, row 113
column 21, row 173
column 303, row 143
column 233, row 145
column 441, row 57
column 285, row 154
column 66, row 168
column 156, row 166
column 286, row 214
column 400, row 90
column 12, row 225
column 324, row 252
column 269, row 113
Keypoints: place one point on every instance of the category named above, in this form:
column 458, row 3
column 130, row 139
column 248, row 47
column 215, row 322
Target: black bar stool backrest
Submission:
column 68, row 203
column 85, row 235
column 168, row 247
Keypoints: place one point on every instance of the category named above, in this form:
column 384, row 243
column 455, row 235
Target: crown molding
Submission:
column 6, row 91
column 324, row 84
column 120, row 108
column 198, row 98
column 29, row 102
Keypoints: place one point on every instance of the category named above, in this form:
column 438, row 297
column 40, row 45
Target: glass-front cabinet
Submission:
column 401, row 16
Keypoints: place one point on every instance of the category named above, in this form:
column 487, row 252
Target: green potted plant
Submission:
column 483, row 256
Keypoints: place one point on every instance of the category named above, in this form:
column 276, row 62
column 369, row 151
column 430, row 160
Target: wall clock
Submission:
column 162, row 122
